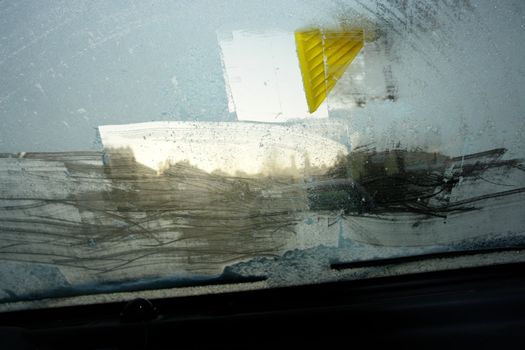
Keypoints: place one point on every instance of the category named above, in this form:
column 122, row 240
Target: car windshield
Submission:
column 164, row 145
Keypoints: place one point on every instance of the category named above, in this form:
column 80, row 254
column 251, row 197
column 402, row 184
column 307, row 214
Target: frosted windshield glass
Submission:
column 168, row 144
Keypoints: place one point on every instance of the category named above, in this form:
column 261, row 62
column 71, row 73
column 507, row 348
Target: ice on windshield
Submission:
column 160, row 144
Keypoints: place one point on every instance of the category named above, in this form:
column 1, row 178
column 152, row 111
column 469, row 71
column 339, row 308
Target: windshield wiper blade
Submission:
column 420, row 257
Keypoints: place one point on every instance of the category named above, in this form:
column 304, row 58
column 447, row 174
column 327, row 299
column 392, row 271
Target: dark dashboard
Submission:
column 481, row 307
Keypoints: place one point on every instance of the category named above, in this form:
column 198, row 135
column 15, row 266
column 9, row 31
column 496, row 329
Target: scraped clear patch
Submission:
column 231, row 148
column 263, row 78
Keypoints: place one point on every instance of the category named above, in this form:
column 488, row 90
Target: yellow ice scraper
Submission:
column 324, row 56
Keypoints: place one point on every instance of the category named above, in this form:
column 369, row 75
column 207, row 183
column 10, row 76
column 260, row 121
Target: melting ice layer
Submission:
column 231, row 148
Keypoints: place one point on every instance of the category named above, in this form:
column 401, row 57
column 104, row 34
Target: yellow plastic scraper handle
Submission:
column 324, row 56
